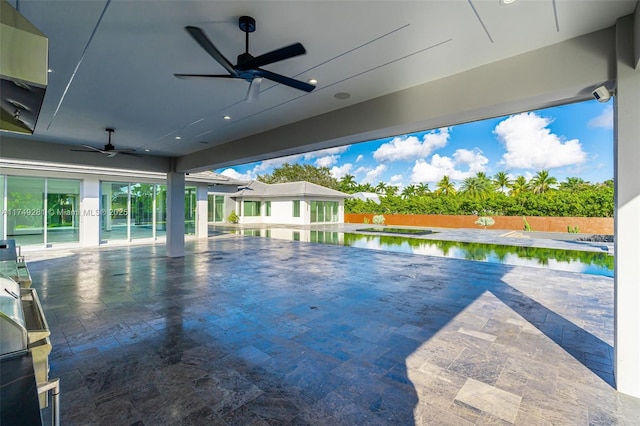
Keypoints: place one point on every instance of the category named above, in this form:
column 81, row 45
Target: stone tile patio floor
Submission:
column 257, row 331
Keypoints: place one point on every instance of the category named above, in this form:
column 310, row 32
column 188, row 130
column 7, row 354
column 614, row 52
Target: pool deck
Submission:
column 263, row 331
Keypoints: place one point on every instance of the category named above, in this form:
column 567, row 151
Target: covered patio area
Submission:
column 260, row 331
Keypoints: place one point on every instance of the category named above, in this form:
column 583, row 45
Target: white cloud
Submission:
column 327, row 160
column 396, row 180
column 267, row 165
column 410, row 147
column 338, row 172
column 325, row 152
column 359, row 158
column 233, row 174
column 471, row 158
column 372, row 175
column 531, row 145
column 323, row 158
column 604, row 120
column 431, row 172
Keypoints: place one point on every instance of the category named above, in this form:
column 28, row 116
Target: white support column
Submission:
column 202, row 212
column 175, row 214
column 627, row 221
column 89, row 214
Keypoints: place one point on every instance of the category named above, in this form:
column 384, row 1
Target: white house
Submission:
column 48, row 204
column 294, row 203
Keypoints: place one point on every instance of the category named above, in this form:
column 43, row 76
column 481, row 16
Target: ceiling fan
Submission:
column 248, row 66
column 109, row 150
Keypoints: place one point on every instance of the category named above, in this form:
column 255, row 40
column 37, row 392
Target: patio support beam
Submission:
column 627, row 224
column 175, row 214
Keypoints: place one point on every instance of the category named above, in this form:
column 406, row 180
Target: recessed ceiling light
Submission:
column 507, row 1
column 49, row 70
column 178, row 138
column 146, row 150
column 227, row 117
column 313, row 81
column 342, row 95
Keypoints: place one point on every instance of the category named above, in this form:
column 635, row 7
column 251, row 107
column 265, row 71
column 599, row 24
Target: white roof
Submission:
column 213, row 178
column 257, row 189
column 366, row 196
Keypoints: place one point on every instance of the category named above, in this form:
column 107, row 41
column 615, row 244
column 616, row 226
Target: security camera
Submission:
column 601, row 94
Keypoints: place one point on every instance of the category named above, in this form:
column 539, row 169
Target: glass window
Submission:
column 324, row 211
column 314, row 211
column 142, row 210
column 219, row 216
column 3, row 217
column 25, row 210
column 251, row 208
column 161, row 210
column 296, row 208
column 63, row 210
column 115, row 210
column 210, row 207
column 267, row 208
column 190, row 207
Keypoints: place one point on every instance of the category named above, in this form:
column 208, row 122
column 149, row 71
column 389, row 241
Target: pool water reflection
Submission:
column 586, row 262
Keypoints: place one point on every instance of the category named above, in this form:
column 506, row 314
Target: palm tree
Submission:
column 502, row 181
column 445, row 186
column 381, row 187
column 477, row 186
column 471, row 186
column 391, row 191
column 519, row 186
column 542, row 182
column 347, row 183
column 573, row 183
column 409, row 191
column 422, row 189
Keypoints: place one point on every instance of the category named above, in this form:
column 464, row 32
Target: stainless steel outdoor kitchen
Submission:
column 25, row 385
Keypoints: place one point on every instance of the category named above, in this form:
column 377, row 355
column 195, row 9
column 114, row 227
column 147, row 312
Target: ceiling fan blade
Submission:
column 93, row 149
column 86, row 150
column 254, row 89
column 188, row 76
column 201, row 38
column 281, row 54
column 278, row 78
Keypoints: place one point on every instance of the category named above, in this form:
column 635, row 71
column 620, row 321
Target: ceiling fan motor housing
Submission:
column 247, row 24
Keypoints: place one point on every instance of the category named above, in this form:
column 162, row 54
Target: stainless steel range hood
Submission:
column 24, row 62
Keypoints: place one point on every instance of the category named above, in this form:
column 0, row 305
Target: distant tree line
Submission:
column 542, row 195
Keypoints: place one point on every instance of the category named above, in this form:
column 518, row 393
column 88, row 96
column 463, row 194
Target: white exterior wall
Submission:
column 91, row 194
column 202, row 213
column 90, row 201
column 282, row 212
column 627, row 220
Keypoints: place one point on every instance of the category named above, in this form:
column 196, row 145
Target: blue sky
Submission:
column 573, row 140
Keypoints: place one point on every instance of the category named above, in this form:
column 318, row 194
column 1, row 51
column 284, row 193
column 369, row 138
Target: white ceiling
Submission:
column 117, row 71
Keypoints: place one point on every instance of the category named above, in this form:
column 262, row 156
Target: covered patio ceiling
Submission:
column 382, row 68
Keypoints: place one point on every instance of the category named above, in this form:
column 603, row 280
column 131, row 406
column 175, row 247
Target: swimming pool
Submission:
column 585, row 262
